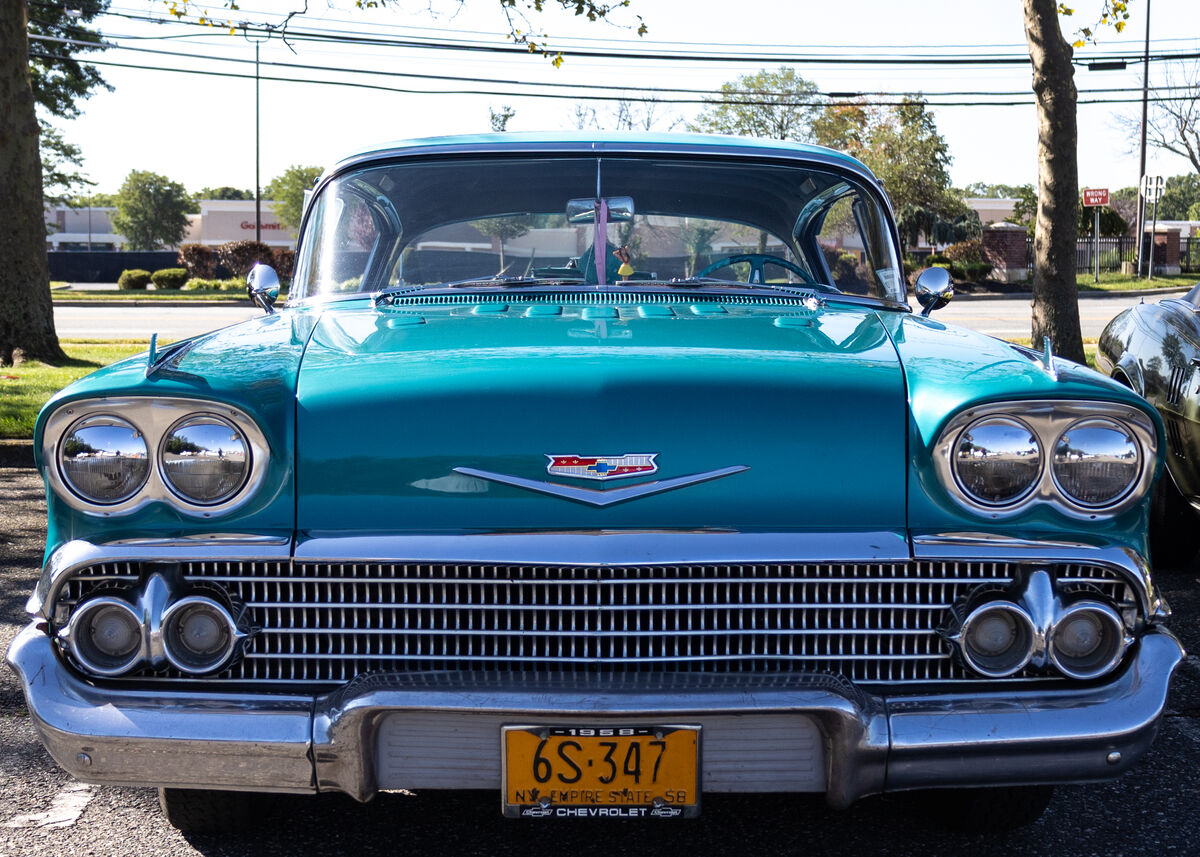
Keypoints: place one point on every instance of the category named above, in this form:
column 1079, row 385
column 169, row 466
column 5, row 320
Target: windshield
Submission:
column 658, row 218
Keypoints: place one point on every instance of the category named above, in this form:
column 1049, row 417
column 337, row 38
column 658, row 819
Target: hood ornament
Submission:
column 603, row 466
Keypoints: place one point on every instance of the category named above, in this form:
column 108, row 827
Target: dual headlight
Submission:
column 112, row 456
column 1085, row 457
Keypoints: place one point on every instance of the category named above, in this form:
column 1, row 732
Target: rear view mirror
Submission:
column 620, row 209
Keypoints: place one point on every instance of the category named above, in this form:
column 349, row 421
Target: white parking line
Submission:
column 64, row 810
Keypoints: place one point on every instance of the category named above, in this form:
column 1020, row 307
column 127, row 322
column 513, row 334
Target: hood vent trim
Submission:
column 594, row 298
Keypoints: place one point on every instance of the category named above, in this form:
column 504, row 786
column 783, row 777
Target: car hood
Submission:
column 445, row 418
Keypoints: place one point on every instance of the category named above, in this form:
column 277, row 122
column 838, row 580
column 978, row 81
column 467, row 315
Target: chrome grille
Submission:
column 323, row 624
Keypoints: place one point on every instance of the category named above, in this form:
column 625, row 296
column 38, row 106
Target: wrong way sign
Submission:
column 1093, row 196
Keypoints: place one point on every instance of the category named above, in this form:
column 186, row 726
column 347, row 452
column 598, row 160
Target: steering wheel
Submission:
column 757, row 261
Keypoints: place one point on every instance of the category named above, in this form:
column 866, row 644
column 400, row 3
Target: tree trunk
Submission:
column 1055, row 294
column 26, row 314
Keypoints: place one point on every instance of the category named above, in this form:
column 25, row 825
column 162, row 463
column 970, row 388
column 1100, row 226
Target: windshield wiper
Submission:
column 798, row 289
column 503, row 282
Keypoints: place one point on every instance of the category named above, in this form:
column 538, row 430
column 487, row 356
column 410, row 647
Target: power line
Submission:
column 620, row 91
column 589, row 97
column 741, row 58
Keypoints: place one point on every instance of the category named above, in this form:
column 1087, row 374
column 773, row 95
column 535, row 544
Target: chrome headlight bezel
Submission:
column 1048, row 421
column 154, row 418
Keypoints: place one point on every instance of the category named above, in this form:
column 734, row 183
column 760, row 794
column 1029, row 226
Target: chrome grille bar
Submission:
column 321, row 624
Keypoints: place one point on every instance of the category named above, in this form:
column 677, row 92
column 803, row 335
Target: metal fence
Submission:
column 1114, row 251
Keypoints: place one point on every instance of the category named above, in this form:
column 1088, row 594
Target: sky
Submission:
column 199, row 128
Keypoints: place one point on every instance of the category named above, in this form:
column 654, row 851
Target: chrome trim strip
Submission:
column 601, row 497
column 153, row 417
column 606, row 547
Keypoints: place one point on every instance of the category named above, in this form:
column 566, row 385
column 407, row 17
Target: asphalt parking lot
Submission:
column 1152, row 811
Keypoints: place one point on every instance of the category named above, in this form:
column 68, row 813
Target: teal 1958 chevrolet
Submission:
column 605, row 473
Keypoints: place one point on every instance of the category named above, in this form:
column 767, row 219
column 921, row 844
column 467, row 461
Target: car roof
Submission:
column 612, row 142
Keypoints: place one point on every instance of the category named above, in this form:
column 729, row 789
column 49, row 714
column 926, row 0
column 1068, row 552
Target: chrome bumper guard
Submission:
column 865, row 744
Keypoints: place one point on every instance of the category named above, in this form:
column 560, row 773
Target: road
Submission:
column 1007, row 318
column 1151, row 811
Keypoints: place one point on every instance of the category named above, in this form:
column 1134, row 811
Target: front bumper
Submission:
column 785, row 733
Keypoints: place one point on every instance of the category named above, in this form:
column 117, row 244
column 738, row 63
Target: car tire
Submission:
column 987, row 810
column 1173, row 527
column 210, row 811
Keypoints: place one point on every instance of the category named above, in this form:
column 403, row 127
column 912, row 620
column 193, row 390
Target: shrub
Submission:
column 966, row 251
column 285, row 263
column 844, row 267
column 957, row 271
column 240, row 256
column 937, row 260
column 196, row 284
column 169, row 278
column 977, row 271
column 133, row 279
column 199, row 259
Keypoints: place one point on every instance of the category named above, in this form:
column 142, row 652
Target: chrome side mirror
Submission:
column 934, row 289
column 262, row 285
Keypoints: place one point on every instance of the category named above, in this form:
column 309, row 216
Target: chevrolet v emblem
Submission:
column 597, row 496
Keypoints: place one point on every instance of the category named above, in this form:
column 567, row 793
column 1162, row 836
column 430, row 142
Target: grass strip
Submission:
column 1111, row 281
column 25, row 388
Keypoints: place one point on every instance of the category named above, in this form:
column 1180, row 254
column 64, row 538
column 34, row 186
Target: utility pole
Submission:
column 257, row 178
column 1141, row 212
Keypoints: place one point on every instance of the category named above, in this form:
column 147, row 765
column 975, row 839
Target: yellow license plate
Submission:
column 601, row 772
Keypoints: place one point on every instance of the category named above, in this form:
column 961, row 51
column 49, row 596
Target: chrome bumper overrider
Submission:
column 387, row 731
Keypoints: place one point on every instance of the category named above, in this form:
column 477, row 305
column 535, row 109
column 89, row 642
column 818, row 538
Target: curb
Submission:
column 1091, row 293
column 16, row 453
column 136, row 303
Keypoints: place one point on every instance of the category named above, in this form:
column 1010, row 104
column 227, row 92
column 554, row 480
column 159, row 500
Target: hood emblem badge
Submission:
column 603, row 466
column 602, row 496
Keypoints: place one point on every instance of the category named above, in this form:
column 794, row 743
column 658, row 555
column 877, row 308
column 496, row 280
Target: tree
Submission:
column 1174, row 124
column 60, row 179
column 912, row 161
column 778, row 104
column 1124, row 201
column 503, row 229
column 49, row 78
column 1179, row 195
column 904, row 149
column 500, row 118
column 152, row 210
column 223, row 192
column 1112, row 224
column 287, row 189
column 1055, row 293
column 995, row 191
column 27, row 322
column 60, row 80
